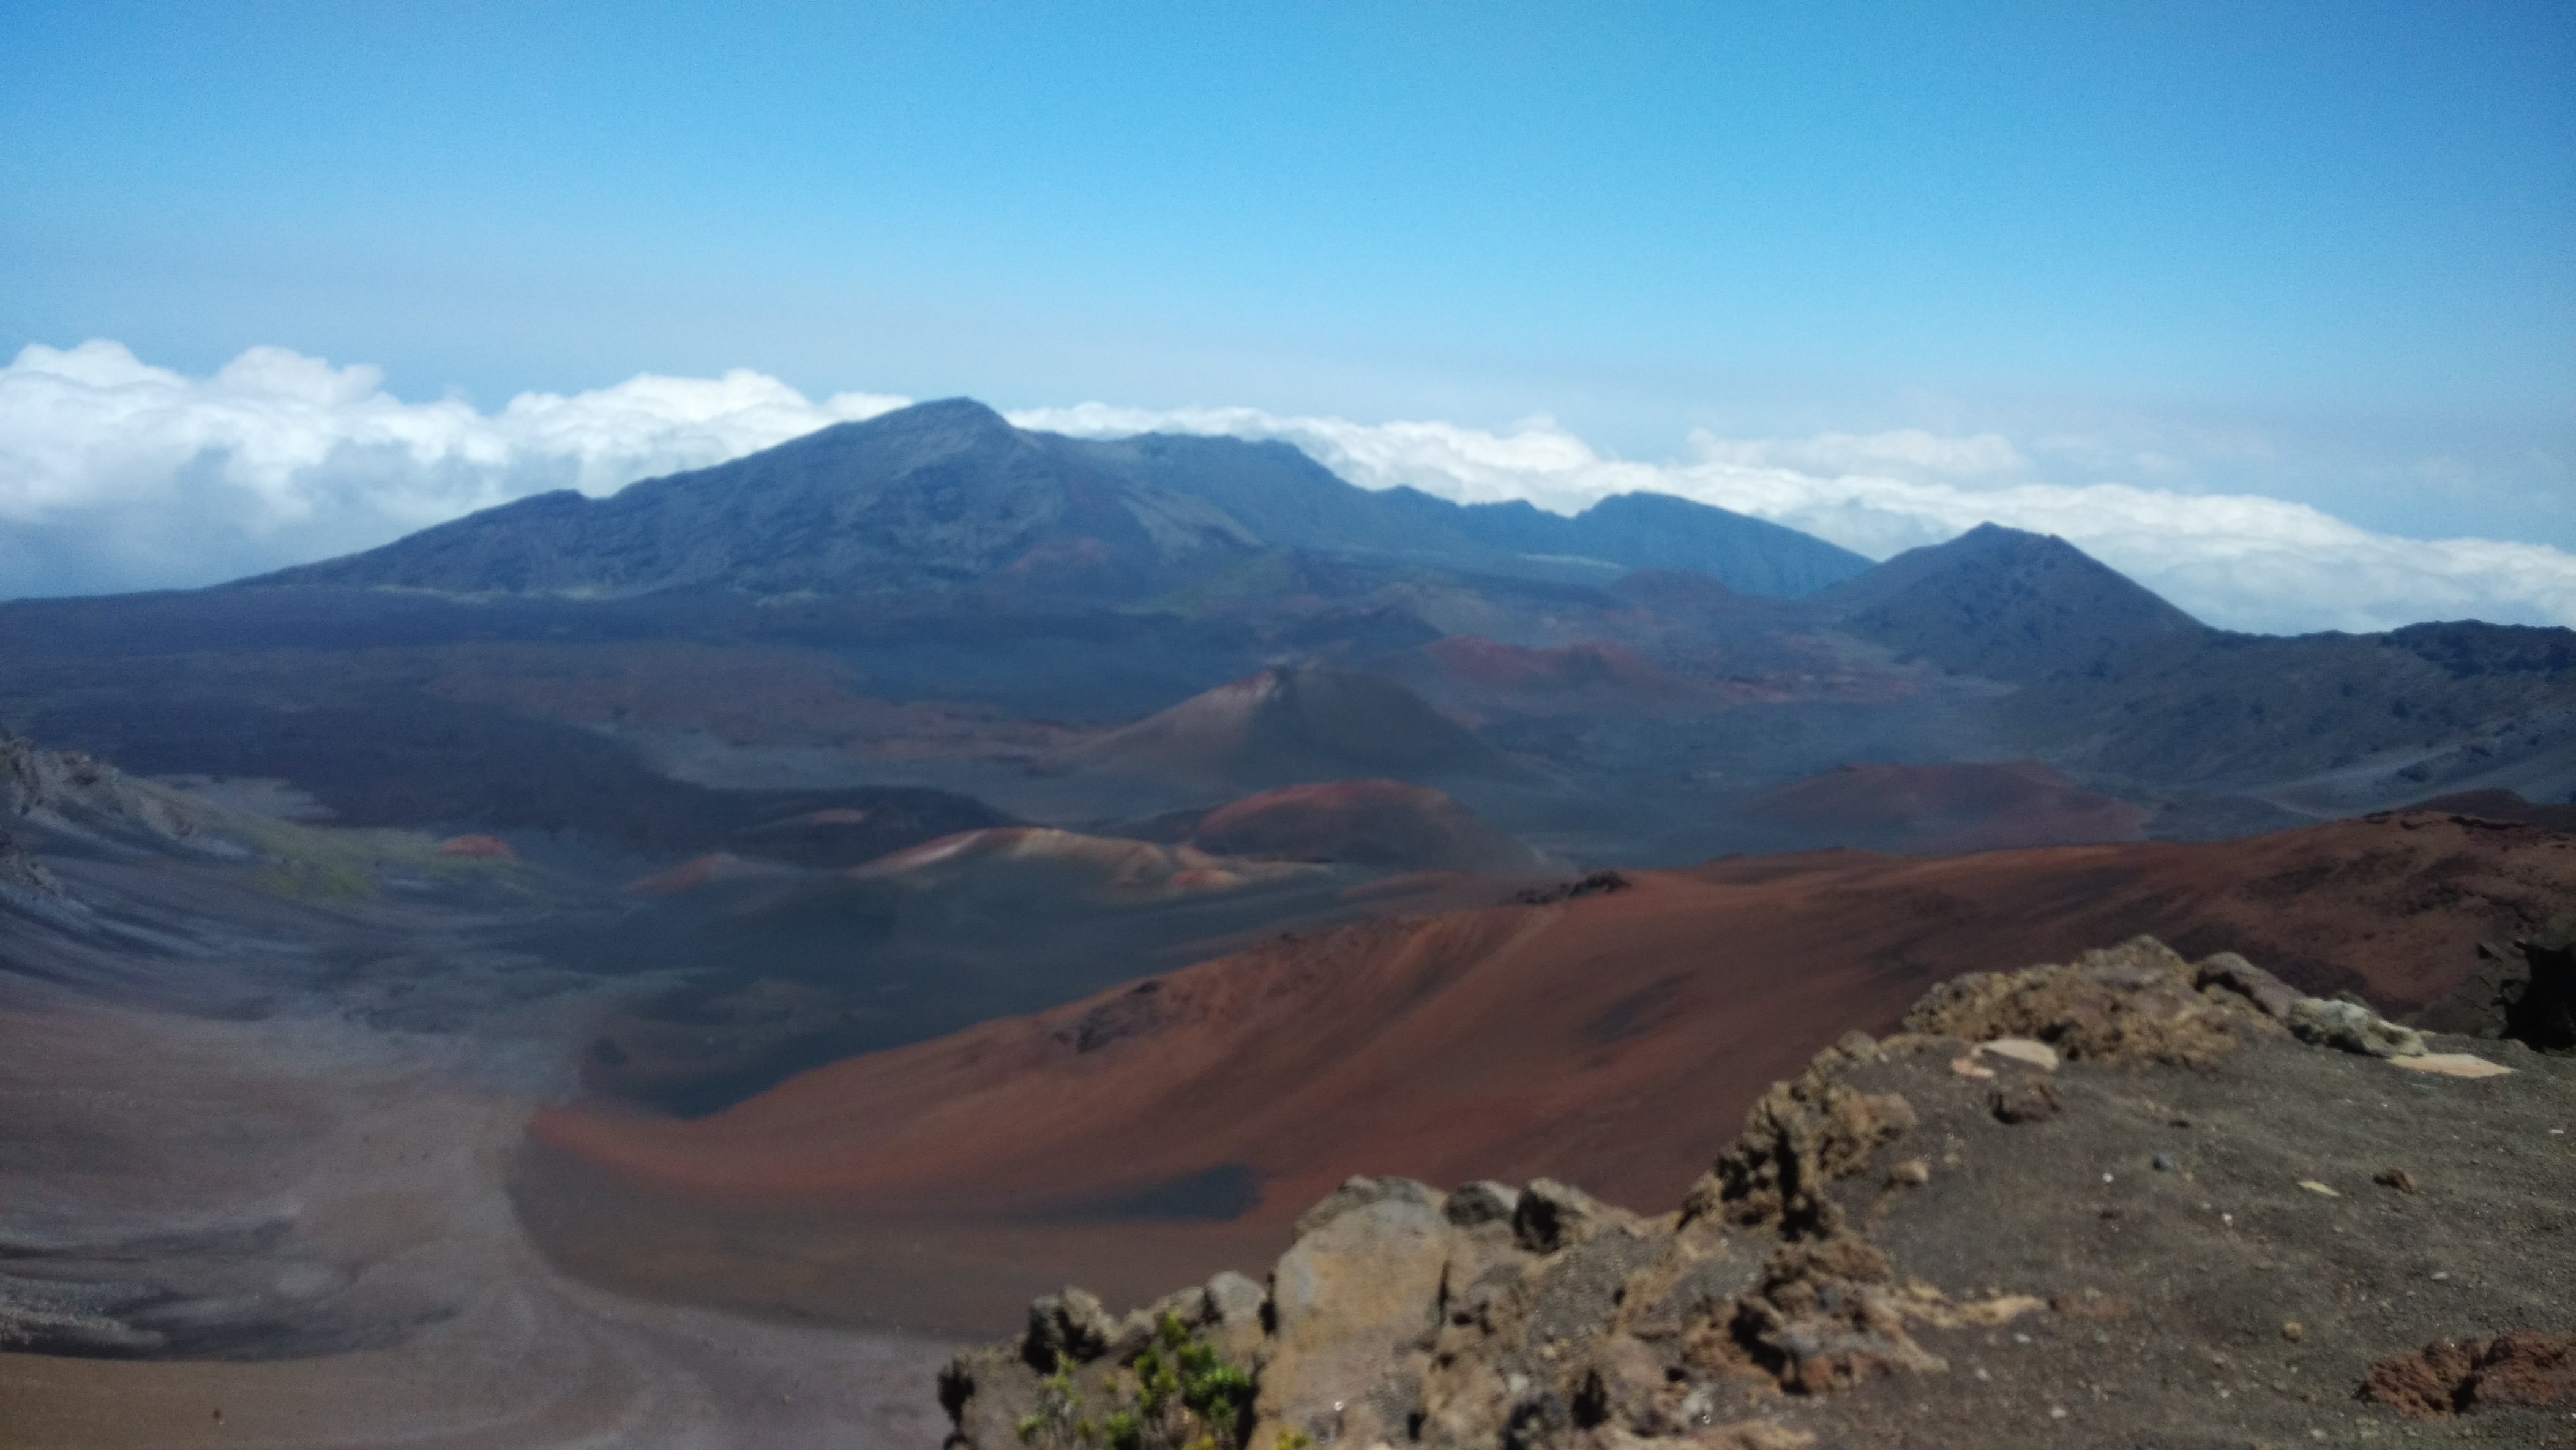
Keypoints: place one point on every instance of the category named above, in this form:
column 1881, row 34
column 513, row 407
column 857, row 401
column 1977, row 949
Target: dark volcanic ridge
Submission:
column 2009, row 605
column 937, row 600
column 948, row 494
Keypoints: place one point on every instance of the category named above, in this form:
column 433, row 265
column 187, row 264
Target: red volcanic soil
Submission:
column 1283, row 726
column 488, row 848
column 1948, row 808
column 701, row 871
column 1614, row 1040
column 1033, row 860
column 1368, row 822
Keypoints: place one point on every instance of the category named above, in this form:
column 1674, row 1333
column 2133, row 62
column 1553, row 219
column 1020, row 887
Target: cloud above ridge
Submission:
column 115, row 474
column 2241, row 561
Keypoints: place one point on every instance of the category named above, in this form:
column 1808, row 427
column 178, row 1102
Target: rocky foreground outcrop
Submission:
column 2126, row 1200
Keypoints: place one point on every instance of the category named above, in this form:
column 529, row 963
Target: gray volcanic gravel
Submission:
column 2179, row 1286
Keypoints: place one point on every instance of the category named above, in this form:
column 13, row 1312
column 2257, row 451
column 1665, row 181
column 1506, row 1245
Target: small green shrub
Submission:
column 1186, row 1398
column 1058, row 1423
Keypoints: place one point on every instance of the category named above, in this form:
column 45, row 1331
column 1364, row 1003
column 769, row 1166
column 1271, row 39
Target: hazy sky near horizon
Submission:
column 2317, row 256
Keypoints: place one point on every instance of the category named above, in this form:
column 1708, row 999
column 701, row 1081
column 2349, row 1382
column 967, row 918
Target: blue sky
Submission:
column 2320, row 253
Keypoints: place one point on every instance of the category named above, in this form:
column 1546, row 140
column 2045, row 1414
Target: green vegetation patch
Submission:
column 1177, row 1394
column 315, row 864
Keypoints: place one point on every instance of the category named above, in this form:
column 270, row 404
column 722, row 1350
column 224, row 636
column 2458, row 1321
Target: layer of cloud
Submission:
column 2237, row 560
column 115, row 474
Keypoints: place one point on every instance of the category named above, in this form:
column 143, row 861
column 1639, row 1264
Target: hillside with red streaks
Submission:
column 1606, row 1039
column 1284, row 726
column 1383, row 823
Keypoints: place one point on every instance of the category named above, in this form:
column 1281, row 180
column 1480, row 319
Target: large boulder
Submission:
column 2525, row 991
column 1360, row 1283
column 2545, row 1017
column 2136, row 1001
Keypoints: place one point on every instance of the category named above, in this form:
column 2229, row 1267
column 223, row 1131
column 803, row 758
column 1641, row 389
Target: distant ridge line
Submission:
column 948, row 494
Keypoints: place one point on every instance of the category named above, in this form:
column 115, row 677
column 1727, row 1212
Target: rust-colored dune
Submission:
column 1613, row 1039
column 1283, row 726
column 486, row 848
column 1106, row 869
column 1948, row 808
column 1367, row 822
column 702, row 871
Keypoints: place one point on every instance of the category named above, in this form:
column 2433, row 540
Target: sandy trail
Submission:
column 323, row 1204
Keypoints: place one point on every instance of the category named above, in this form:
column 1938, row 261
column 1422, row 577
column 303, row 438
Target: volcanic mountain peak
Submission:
column 2009, row 605
column 936, row 495
column 949, row 494
column 1290, row 500
column 1288, row 724
column 1662, row 531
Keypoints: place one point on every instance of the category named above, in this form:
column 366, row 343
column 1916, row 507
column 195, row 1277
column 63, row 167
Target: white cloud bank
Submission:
column 118, row 475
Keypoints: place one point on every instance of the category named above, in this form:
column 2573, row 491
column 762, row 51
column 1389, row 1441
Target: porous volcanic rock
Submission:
column 1880, row 1260
column 2448, row 1377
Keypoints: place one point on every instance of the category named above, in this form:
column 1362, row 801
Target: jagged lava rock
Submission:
column 2525, row 990
column 1879, row 1260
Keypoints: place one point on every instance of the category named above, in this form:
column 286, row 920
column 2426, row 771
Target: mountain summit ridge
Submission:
column 2010, row 605
column 949, row 494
